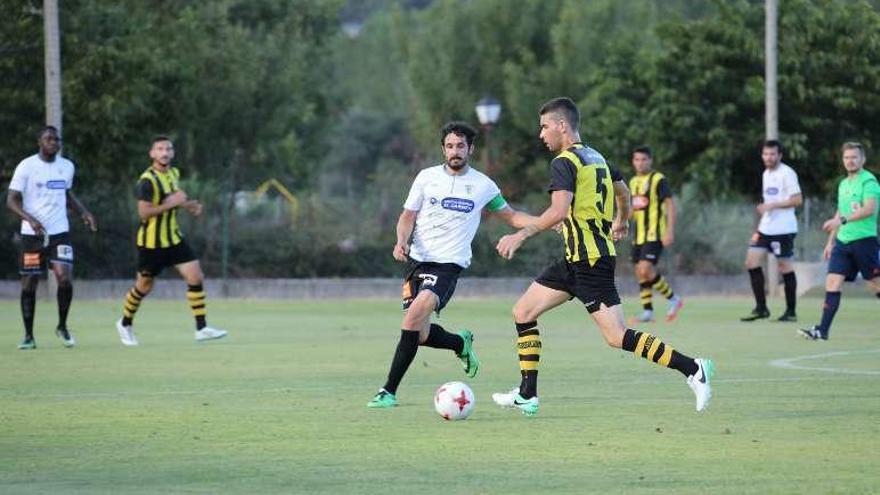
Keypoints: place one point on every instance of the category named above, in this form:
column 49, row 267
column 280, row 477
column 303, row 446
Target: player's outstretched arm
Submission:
column 147, row 210
column 793, row 201
column 865, row 211
column 84, row 213
column 620, row 224
column 514, row 218
column 15, row 203
column 560, row 201
column 831, row 225
column 193, row 206
column 669, row 235
column 405, row 225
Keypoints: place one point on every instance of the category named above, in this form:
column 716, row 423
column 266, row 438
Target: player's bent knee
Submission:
column 523, row 314
column 144, row 284
column 421, row 307
column 833, row 284
column 63, row 279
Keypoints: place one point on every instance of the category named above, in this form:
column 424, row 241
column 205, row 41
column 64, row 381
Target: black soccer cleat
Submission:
column 757, row 314
column 812, row 334
column 787, row 316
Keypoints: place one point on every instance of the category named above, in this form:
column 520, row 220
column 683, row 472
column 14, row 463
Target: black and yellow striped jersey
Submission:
column 587, row 229
column 160, row 231
column 649, row 192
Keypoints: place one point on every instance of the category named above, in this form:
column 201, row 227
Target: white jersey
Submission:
column 779, row 184
column 449, row 209
column 43, row 187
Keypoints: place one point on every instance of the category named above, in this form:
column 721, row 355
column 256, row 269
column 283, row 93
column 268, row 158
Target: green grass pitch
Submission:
column 279, row 406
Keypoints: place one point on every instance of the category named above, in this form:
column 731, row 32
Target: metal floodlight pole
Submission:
column 52, row 63
column 52, row 67
column 771, row 99
column 771, row 109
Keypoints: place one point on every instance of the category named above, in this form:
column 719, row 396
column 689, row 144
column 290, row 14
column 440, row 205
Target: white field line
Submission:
column 790, row 363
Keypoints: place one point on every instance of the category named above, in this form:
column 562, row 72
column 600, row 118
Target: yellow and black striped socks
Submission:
column 195, row 294
column 132, row 302
column 528, row 347
column 645, row 295
column 645, row 345
column 660, row 285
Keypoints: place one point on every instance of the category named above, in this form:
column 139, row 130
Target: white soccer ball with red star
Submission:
column 454, row 401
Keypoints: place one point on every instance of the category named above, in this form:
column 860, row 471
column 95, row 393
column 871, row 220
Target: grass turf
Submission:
column 279, row 406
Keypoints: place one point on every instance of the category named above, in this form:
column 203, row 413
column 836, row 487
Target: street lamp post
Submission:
column 488, row 112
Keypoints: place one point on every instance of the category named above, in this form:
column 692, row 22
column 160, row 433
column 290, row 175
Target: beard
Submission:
column 456, row 163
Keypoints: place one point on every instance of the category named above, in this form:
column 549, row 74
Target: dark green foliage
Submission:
column 253, row 90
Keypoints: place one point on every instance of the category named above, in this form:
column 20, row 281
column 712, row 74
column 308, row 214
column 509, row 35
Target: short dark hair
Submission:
column 45, row 129
column 566, row 108
column 159, row 138
column 458, row 128
column 853, row 145
column 773, row 143
column 645, row 150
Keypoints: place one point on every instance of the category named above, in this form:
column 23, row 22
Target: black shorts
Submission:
column 592, row 285
column 151, row 262
column 439, row 278
column 780, row 245
column 649, row 251
column 859, row 256
column 35, row 252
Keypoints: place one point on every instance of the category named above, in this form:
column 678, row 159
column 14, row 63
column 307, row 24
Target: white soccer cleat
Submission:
column 66, row 337
column 209, row 333
column 506, row 399
column 700, row 382
column 529, row 407
column 126, row 334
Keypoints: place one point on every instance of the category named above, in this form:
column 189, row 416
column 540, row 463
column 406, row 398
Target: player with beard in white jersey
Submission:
column 776, row 231
column 434, row 233
column 39, row 193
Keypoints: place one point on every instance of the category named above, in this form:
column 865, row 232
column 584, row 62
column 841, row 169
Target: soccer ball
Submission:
column 454, row 401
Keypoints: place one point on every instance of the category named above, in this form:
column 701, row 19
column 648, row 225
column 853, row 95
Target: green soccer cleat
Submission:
column 27, row 344
column 529, row 407
column 383, row 400
column 469, row 360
